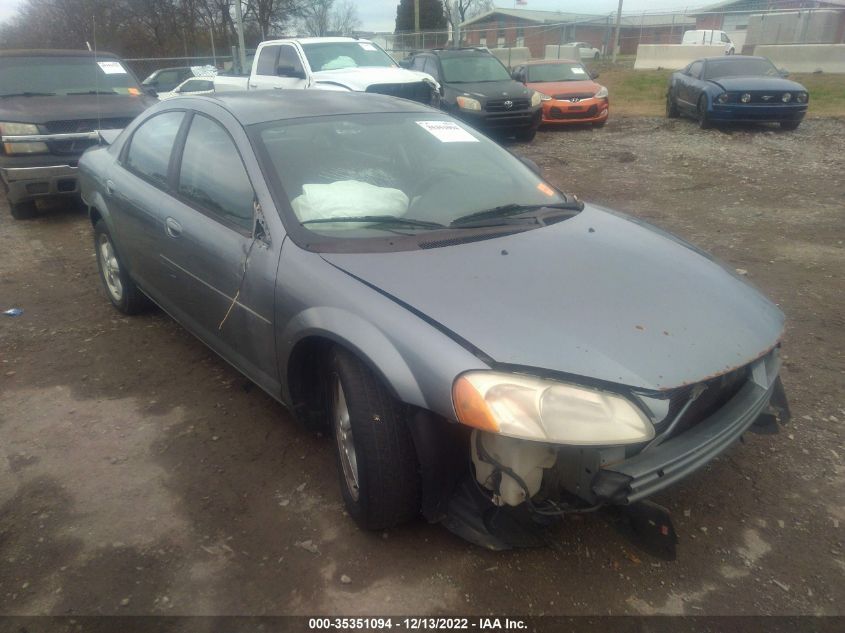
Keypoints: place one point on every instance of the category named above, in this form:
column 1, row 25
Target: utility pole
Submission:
column 618, row 24
column 239, row 19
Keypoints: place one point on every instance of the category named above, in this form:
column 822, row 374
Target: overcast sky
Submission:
column 380, row 15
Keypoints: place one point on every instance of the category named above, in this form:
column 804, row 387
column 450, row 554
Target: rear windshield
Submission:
column 739, row 68
column 334, row 55
column 65, row 76
column 556, row 72
column 473, row 68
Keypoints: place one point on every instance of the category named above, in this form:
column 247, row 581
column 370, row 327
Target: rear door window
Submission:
column 149, row 151
column 212, row 177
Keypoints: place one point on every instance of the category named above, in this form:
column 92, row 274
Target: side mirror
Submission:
column 405, row 63
column 783, row 72
column 442, row 90
column 519, row 76
column 290, row 71
column 151, row 92
column 594, row 74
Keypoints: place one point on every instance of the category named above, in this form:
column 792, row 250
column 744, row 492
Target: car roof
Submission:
column 261, row 106
column 455, row 52
column 723, row 58
column 46, row 52
column 539, row 62
column 315, row 40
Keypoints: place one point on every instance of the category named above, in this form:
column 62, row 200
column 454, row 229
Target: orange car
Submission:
column 569, row 93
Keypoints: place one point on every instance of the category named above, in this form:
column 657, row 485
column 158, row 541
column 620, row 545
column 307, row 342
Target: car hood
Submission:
column 552, row 88
column 492, row 89
column 61, row 108
column 781, row 84
column 600, row 295
column 359, row 79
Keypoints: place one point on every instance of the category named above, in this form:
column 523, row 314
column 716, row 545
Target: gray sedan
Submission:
column 484, row 349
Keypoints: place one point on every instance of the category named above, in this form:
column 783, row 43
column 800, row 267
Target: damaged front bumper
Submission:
column 653, row 470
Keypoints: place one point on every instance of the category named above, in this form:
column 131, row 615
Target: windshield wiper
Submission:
column 379, row 219
column 30, row 94
column 508, row 210
column 94, row 92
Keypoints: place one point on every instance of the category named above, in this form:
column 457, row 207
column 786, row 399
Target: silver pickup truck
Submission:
column 331, row 63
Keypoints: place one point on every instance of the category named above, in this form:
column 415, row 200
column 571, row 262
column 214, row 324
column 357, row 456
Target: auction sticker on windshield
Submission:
column 367, row 46
column 578, row 71
column 112, row 68
column 447, row 131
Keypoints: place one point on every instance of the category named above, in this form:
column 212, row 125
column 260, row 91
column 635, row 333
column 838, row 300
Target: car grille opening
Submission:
column 578, row 95
column 419, row 91
column 499, row 105
column 80, row 125
column 718, row 392
column 589, row 113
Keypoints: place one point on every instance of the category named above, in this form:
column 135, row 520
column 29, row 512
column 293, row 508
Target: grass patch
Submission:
column 643, row 92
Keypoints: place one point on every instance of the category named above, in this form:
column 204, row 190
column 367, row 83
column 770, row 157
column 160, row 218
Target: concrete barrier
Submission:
column 805, row 58
column 673, row 56
column 511, row 57
column 567, row 51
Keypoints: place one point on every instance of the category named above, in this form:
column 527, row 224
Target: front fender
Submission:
column 359, row 336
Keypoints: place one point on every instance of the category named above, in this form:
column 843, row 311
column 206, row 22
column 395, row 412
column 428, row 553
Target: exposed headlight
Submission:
column 602, row 93
column 21, row 129
column 547, row 411
column 801, row 97
column 538, row 97
column 786, row 97
column 722, row 98
column 746, row 98
column 468, row 103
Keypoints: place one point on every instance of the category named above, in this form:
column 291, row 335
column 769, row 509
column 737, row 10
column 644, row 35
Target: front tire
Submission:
column 121, row 290
column 672, row 111
column 25, row 210
column 703, row 120
column 376, row 460
column 526, row 136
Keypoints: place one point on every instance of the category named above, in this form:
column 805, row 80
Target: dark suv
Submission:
column 477, row 88
column 51, row 104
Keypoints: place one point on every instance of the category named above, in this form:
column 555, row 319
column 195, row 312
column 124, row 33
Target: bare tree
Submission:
column 459, row 11
column 344, row 18
column 317, row 18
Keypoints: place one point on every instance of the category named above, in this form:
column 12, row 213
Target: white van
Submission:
column 709, row 37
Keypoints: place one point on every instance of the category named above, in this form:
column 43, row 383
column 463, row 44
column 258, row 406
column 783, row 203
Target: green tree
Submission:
column 432, row 16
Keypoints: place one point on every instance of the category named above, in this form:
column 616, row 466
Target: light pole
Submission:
column 618, row 24
column 239, row 19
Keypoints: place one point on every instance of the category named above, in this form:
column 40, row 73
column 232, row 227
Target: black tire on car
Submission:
column 672, row 111
column 789, row 125
column 121, row 290
column 527, row 135
column 703, row 120
column 23, row 210
column 596, row 57
column 376, row 460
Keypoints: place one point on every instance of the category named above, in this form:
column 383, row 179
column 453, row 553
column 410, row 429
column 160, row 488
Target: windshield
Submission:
column 65, row 75
column 334, row 55
column 421, row 170
column 739, row 68
column 473, row 68
column 556, row 72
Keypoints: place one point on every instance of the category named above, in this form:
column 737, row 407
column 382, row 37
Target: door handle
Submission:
column 172, row 228
column 109, row 187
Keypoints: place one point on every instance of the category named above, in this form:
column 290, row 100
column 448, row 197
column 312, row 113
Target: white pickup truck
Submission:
column 331, row 63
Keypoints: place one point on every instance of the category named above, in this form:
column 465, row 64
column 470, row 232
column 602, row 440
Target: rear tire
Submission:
column 526, row 136
column 376, row 459
column 703, row 121
column 789, row 125
column 25, row 210
column 672, row 111
column 121, row 290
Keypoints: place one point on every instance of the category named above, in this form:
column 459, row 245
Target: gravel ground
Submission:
column 139, row 474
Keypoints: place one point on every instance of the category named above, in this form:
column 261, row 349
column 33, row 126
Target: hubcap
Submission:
column 343, row 437
column 110, row 268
